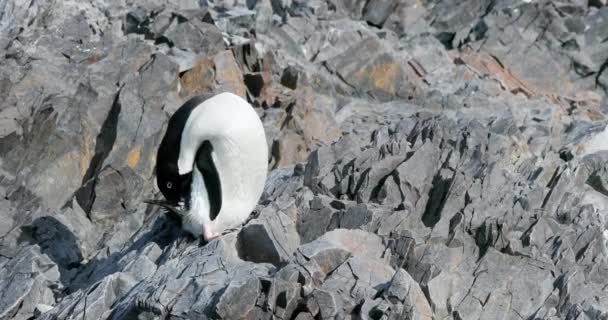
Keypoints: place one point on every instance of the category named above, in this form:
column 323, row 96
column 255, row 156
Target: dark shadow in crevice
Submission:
column 103, row 145
column 56, row 241
column 165, row 230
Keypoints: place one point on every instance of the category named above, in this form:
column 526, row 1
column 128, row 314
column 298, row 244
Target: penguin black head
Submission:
column 175, row 187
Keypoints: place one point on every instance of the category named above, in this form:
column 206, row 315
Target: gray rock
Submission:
column 28, row 279
column 284, row 297
column 194, row 35
column 329, row 305
column 429, row 159
column 402, row 288
column 239, row 298
column 376, row 12
column 304, row 316
column 316, row 220
column 271, row 238
column 374, row 71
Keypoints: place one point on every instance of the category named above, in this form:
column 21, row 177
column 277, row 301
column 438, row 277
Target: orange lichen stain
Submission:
column 384, row 76
column 200, row 79
column 139, row 62
column 229, row 76
column 133, row 158
column 67, row 159
column 85, row 153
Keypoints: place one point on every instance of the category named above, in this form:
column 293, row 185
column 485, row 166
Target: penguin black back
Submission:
column 173, row 186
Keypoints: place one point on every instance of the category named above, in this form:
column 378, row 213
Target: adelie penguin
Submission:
column 211, row 164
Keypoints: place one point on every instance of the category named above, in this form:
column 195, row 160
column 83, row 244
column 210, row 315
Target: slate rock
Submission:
column 429, row 159
column 376, row 12
column 271, row 238
column 27, row 280
column 334, row 247
column 239, row 298
column 304, row 316
column 195, row 35
column 284, row 297
column 403, row 288
column 311, row 119
column 218, row 72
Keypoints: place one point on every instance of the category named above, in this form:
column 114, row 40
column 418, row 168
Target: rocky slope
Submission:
column 430, row 160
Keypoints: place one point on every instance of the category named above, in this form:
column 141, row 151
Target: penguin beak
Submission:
column 167, row 205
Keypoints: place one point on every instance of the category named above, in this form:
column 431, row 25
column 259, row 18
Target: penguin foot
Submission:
column 209, row 234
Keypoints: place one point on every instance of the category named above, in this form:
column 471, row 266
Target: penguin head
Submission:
column 175, row 188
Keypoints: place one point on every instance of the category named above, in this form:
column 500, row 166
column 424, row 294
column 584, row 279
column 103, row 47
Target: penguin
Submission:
column 212, row 163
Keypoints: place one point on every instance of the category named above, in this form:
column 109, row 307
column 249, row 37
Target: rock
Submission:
column 312, row 121
column 194, row 35
column 28, row 280
column 320, row 163
column 239, row 298
column 313, row 222
column 284, row 297
column 427, row 159
column 199, row 78
column 218, row 73
column 271, row 238
column 41, row 308
column 329, row 306
column 376, row 12
column 376, row 72
column 402, row 288
column 304, row 316
column 353, row 241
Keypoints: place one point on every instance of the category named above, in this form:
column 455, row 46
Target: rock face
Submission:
column 430, row 159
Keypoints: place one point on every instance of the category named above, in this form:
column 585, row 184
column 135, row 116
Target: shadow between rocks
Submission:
column 56, row 241
column 165, row 230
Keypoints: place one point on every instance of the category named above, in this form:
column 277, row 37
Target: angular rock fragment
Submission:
column 271, row 238
column 27, row 280
column 239, row 298
column 376, row 12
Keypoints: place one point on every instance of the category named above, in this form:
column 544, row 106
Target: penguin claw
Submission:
column 165, row 204
column 227, row 231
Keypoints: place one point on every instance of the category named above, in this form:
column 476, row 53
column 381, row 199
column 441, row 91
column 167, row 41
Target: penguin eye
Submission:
column 169, row 185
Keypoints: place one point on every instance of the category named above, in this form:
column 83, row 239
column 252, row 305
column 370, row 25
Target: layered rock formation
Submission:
column 430, row 159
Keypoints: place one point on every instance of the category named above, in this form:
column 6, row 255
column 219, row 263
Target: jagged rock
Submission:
column 283, row 297
column 200, row 37
column 309, row 124
column 374, row 71
column 271, row 238
column 318, row 175
column 217, row 73
column 404, row 289
column 428, row 159
column 329, row 305
column 27, row 280
column 239, row 298
column 304, row 316
column 376, row 12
